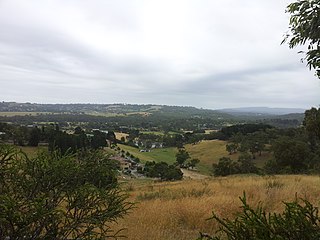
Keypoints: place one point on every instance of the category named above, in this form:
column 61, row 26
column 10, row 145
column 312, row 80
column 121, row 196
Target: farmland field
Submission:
column 11, row 114
column 178, row 210
column 112, row 114
column 160, row 154
column 208, row 152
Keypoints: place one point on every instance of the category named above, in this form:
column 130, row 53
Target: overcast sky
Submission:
column 203, row 53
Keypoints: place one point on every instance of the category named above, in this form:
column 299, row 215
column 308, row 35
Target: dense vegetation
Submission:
column 298, row 221
column 58, row 196
column 294, row 150
column 125, row 117
column 162, row 170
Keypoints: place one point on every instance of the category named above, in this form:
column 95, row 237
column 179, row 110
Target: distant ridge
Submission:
column 261, row 111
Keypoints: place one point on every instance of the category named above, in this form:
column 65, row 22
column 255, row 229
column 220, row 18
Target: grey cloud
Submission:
column 211, row 64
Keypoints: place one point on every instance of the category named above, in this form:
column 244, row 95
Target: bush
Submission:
column 54, row 196
column 246, row 164
column 163, row 171
column 225, row 167
column 297, row 222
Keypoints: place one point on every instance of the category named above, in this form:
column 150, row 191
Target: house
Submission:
column 145, row 150
column 124, row 164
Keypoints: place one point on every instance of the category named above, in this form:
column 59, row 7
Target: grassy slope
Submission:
column 209, row 152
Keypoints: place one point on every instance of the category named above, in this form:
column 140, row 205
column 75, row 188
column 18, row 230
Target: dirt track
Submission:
column 193, row 174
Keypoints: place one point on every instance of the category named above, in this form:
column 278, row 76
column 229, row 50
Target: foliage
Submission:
column 244, row 129
column 225, row 167
column 34, row 138
column 65, row 142
column 54, row 196
column 173, row 140
column 304, row 29
column 299, row 221
column 246, row 164
column 98, row 140
column 163, row 171
column 231, row 148
column 193, row 162
column 291, row 155
column 182, row 156
column 312, row 125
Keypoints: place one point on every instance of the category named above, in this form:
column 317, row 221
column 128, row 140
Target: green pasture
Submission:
column 160, row 154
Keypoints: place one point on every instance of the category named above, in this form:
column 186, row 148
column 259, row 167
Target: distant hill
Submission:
column 258, row 111
column 146, row 115
column 112, row 110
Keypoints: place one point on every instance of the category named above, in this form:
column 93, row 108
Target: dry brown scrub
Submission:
column 179, row 210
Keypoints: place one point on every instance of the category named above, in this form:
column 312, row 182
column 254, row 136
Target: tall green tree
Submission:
column 304, row 30
column 34, row 137
column 291, row 155
column 312, row 124
column 182, row 156
column 225, row 167
column 193, row 162
column 99, row 140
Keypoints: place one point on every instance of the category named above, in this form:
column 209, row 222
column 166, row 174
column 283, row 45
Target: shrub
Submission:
column 225, row 167
column 54, row 196
column 297, row 222
column 163, row 171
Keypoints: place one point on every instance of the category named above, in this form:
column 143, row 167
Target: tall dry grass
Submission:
column 179, row 210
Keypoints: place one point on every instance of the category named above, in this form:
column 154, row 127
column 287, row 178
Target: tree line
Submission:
column 295, row 150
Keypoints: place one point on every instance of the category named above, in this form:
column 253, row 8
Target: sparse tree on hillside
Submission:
column 231, row 148
column 163, row 171
column 182, row 156
column 246, row 164
column 193, row 162
column 225, row 167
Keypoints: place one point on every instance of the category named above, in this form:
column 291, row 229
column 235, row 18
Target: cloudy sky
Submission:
column 203, row 53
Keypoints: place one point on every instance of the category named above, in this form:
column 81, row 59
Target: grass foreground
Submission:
column 178, row 210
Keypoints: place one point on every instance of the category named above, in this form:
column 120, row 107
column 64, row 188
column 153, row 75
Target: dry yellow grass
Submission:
column 179, row 210
column 119, row 135
column 209, row 152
